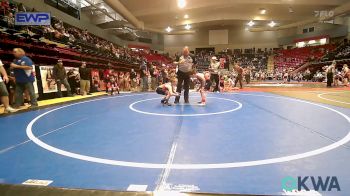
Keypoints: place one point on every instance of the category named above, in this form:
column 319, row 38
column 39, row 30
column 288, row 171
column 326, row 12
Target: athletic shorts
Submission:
column 3, row 90
column 160, row 91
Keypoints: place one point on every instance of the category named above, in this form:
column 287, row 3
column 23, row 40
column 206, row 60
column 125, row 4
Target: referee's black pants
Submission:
column 184, row 78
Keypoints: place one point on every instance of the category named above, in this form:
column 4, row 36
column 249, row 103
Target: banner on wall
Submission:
column 47, row 80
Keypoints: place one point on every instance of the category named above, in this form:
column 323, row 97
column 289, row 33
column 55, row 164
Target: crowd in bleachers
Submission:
column 61, row 43
column 124, row 69
column 73, row 37
column 293, row 58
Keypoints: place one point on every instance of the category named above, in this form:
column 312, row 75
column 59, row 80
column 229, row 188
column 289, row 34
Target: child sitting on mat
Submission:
column 167, row 89
column 112, row 86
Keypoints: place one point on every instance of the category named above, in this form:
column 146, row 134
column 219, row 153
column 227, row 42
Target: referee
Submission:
column 185, row 64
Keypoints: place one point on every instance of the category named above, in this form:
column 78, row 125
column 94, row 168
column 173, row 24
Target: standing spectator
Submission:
column 247, row 74
column 183, row 74
column 239, row 76
column 85, row 76
column 330, row 72
column 127, row 81
column 153, row 72
column 73, row 80
column 3, row 91
column 23, row 70
column 164, row 78
column 133, row 76
column 121, row 81
column 144, row 75
column 346, row 74
column 60, row 76
column 214, row 72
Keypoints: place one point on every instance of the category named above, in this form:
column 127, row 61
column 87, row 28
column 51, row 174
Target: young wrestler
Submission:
column 112, row 86
column 205, row 84
column 167, row 89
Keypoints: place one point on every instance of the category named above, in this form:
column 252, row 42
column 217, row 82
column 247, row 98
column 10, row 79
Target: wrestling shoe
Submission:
column 202, row 104
column 10, row 110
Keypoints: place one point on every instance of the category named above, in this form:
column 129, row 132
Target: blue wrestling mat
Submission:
column 247, row 143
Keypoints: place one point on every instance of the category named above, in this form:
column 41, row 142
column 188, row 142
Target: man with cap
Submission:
column 183, row 74
column 60, row 76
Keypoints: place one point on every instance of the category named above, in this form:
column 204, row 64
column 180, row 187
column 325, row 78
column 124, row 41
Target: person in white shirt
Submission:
column 184, row 66
column 3, row 91
column 214, row 70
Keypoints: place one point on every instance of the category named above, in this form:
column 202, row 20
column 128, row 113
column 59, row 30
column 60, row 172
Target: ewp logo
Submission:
column 330, row 183
column 33, row 18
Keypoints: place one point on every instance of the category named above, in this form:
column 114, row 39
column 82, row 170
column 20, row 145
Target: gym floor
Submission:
column 241, row 142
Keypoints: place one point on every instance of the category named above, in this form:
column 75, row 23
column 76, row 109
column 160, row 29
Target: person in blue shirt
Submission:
column 23, row 70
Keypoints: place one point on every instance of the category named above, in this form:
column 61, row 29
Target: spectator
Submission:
column 144, row 76
column 127, row 81
column 330, row 72
column 133, row 76
column 60, row 76
column 239, row 76
column 10, row 20
column 23, row 70
column 85, row 75
column 214, row 71
column 153, row 72
column 73, row 80
column 3, row 91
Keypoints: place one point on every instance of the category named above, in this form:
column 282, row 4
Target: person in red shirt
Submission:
column 112, row 86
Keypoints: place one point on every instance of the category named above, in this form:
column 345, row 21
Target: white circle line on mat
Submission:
column 282, row 159
column 332, row 100
column 131, row 107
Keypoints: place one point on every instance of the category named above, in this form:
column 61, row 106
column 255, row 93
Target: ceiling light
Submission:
column 250, row 23
column 262, row 11
column 272, row 24
column 168, row 29
column 186, row 16
column 181, row 3
column 188, row 27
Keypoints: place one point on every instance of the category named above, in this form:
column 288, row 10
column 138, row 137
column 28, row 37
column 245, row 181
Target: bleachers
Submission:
column 294, row 58
column 47, row 44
